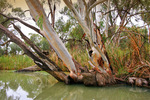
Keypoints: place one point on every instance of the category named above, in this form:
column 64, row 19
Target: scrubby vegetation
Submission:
column 15, row 62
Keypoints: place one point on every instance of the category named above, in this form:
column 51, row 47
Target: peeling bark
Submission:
column 88, row 27
column 37, row 11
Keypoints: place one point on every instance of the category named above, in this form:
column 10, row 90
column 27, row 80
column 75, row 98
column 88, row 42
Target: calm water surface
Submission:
column 41, row 86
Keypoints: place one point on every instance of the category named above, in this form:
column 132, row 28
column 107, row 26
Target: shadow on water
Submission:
column 37, row 86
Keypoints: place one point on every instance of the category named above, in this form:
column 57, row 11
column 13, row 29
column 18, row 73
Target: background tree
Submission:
column 15, row 49
column 70, row 31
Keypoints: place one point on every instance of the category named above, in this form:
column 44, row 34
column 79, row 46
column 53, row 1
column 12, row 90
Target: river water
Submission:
column 41, row 86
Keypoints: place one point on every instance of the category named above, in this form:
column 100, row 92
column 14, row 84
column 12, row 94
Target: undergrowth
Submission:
column 15, row 62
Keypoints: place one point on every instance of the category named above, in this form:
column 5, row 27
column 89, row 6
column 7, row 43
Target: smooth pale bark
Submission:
column 37, row 11
column 107, row 17
column 87, row 26
column 37, row 50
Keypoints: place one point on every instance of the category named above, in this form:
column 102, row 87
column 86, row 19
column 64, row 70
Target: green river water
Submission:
column 41, row 86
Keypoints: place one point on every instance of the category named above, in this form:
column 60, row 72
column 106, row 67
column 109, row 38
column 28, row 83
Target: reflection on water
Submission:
column 23, row 86
column 37, row 86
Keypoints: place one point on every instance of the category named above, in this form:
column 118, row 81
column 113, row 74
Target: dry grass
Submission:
column 134, row 58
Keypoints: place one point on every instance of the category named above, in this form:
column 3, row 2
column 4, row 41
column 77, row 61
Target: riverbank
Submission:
column 15, row 62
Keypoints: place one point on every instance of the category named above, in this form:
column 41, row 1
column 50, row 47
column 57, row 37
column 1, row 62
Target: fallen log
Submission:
column 30, row 69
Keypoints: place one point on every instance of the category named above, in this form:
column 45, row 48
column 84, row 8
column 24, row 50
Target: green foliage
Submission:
column 18, row 12
column 146, row 17
column 101, row 24
column 76, row 33
column 133, row 49
column 69, row 29
column 66, row 11
column 1, row 51
column 39, row 41
column 62, row 26
column 4, row 5
column 40, row 22
column 80, row 55
column 15, row 62
column 14, row 49
column 35, row 38
column 44, row 44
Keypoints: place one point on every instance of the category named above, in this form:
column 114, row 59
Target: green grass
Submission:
column 80, row 56
column 15, row 62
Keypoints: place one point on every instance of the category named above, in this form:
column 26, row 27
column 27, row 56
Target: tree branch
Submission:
column 5, row 42
column 94, row 4
column 34, row 47
column 40, row 62
column 85, row 4
column 78, row 18
column 24, row 23
column 37, row 11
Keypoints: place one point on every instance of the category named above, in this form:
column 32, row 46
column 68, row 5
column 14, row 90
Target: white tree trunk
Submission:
column 38, row 13
column 87, row 25
column 107, row 17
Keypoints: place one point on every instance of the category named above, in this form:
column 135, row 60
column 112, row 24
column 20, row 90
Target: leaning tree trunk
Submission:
column 100, row 75
column 98, row 57
column 41, row 19
column 46, row 64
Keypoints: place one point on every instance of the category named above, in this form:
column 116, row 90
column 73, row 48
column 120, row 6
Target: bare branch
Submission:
column 60, row 76
column 5, row 42
column 94, row 4
column 52, row 12
column 49, row 4
column 85, row 4
column 34, row 47
column 24, row 23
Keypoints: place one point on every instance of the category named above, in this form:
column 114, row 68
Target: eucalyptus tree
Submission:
column 98, row 58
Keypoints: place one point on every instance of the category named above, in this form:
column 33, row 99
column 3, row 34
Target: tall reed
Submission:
column 15, row 62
